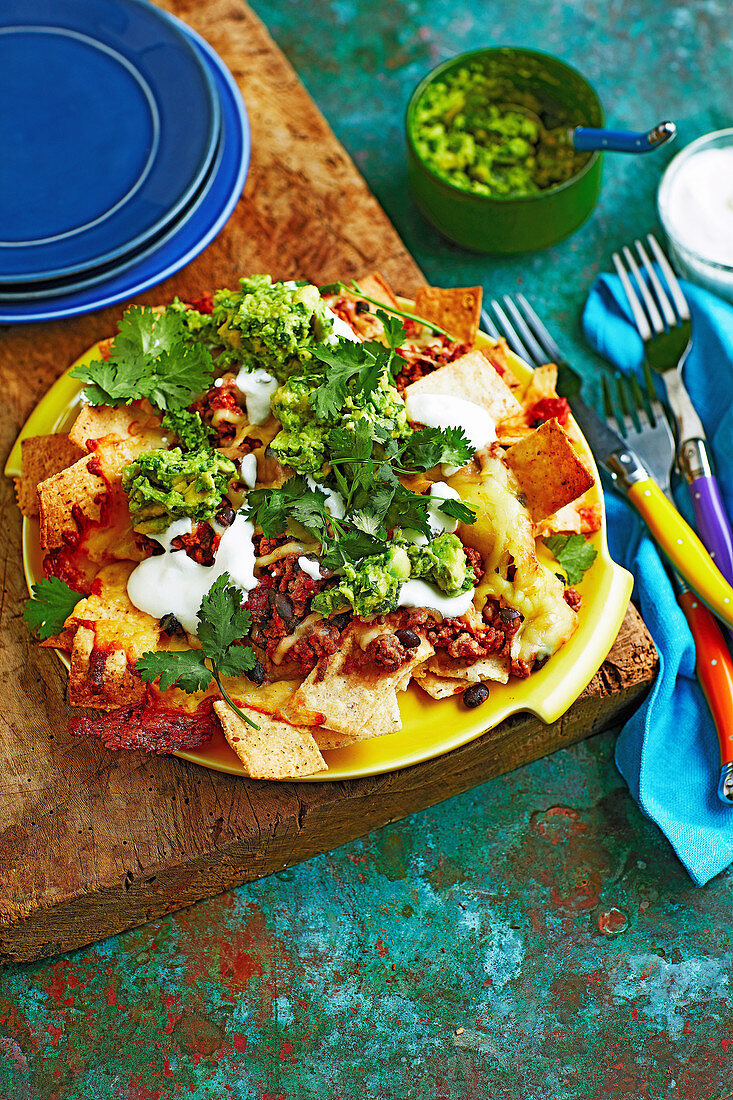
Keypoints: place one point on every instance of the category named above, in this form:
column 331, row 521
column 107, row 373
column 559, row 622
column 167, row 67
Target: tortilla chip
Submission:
column 137, row 426
column 276, row 750
column 581, row 517
column 376, row 286
column 541, row 385
column 358, row 702
column 437, row 687
column 100, row 676
column 498, row 355
column 549, row 470
column 457, row 310
column 491, row 667
column 42, row 456
column 471, row 378
column 66, row 500
column 327, row 739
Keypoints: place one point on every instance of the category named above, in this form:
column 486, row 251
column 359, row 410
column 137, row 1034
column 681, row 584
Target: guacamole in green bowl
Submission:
column 490, row 162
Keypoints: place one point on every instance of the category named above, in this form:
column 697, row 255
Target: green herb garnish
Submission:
column 353, row 288
column 151, row 357
column 574, row 554
column 50, row 606
column 222, row 626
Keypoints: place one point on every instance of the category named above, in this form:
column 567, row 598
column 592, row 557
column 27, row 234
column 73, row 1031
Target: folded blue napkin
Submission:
column 668, row 751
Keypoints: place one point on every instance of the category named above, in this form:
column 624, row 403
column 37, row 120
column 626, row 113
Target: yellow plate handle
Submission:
column 683, row 548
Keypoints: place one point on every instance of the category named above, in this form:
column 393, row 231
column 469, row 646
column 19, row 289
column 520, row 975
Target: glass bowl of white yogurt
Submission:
column 695, row 204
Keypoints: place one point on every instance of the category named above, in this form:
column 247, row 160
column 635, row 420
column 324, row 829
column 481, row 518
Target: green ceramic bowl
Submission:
column 520, row 223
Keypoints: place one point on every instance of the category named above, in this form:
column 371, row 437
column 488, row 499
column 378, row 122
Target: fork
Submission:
column 654, row 443
column 665, row 327
column 676, row 539
column 643, row 422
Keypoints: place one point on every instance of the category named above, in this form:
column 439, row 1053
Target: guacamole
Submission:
column 265, row 325
column 372, row 587
column 163, row 486
column 303, row 442
column 483, row 134
column 189, row 429
column 443, row 562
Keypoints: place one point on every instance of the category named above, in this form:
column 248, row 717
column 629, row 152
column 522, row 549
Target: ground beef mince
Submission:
column 573, row 598
column 463, row 641
column 200, row 545
column 387, row 651
column 422, row 361
column 225, row 396
column 475, row 560
column 280, row 601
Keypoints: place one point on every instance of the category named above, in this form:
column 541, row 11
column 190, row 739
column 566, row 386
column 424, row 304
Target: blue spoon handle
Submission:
column 588, row 140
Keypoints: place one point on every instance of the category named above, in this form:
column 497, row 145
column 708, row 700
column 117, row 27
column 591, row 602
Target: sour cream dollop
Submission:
column 257, row 387
column 248, row 466
column 442, row 410
column 173, row 583
column 340, row 328
column 335, row 503
column 417, row 593
column 311, row 568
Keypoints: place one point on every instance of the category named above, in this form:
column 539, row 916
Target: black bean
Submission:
column 362, row 306
column 537, row 423
column 284, row 607
column 509, row 614
column 225, row 515
column 256, row 674
column 170, row 625
column 408, row 638
column 341, row 620
column 475, row 695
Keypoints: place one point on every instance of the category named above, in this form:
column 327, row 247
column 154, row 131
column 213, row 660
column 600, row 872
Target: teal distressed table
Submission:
column 534, row 939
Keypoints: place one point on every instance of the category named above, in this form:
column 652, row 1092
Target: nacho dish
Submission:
column 278, row 506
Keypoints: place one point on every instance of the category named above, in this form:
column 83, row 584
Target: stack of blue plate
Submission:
column 125, row 146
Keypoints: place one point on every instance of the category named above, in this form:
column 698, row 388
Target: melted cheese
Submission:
column 287, row 643
column 504, row 535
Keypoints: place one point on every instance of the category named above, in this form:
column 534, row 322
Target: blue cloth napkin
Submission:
column 668, row 751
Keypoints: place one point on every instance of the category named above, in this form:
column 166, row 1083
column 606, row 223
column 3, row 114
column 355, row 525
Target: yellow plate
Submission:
column 430, row 728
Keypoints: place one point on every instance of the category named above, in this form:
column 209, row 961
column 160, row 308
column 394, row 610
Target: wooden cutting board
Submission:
column 92, row 842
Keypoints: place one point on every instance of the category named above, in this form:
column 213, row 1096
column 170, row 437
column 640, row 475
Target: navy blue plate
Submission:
column 111, row 124
column 181, row 243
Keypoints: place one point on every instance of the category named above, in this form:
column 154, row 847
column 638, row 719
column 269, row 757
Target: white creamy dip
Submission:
column 257, row 387
column 421, row 594
column 248, row 466
column 442, row 410
column 697, row 200
column 173, row 583
column 340, row 328
column 310, row 568
column 335, row 504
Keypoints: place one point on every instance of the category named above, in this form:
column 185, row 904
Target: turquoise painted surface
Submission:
column 468, row 952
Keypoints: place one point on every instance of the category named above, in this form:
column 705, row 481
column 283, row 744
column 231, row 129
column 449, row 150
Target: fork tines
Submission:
column 525, row 333
column 658, row 312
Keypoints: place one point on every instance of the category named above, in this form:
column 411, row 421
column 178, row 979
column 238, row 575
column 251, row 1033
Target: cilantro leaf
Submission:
column 221, row 619
column 151, row 357
column 429, row 446
column 394, row 330
column 50, row 606
column 456, row 509
column 574, row 554
column 347, row 362
column 222, row 627
column 185, row 669
column 408, row 510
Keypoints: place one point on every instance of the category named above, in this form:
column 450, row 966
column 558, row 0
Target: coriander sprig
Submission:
column 222, row 627
column 50, row 606
column 353, row 288
column 151, row 357
column 574, row 554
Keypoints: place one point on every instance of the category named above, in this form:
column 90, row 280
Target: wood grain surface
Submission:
column 92, row 842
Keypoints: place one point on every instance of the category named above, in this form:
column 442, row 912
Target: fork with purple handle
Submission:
column 663, row 321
